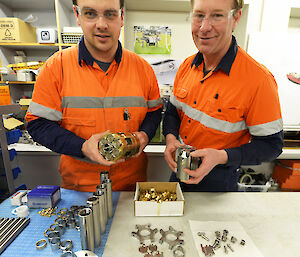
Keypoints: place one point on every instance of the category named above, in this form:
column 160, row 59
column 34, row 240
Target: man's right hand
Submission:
column 171, row 145
column 90, row 149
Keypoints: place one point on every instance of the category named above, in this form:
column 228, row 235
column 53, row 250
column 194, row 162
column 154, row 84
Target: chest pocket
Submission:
column 81, row 127
column 224, row 111
column 181, row 93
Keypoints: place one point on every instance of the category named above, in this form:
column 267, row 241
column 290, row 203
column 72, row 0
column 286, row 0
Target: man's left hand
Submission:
column 210, row 158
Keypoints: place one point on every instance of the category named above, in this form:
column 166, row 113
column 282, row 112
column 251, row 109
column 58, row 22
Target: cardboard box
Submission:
column 14, row 30
column 43, row 197
column 151, row 208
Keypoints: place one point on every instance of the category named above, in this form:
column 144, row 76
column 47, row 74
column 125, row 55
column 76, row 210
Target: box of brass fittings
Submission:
column 43, row 197
column 158, row 199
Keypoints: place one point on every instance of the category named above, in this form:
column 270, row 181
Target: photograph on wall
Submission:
column 152, row 39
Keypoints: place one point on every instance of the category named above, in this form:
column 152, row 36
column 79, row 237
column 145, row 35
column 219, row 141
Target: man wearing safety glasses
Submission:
column 224, row 103
column 88, row 89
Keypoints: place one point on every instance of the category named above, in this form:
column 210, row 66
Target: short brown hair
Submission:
column 121, row 3
column 237, row 4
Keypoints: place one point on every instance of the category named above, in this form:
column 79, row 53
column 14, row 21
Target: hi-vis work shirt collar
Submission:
column 226, row 62
column 84, row 54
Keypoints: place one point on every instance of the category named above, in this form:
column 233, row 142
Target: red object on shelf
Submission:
column 294, row 77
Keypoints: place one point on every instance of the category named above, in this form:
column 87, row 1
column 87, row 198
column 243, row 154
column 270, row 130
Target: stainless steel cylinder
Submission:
column 93, row 203
column 104, row 175
column 100, row 195
column 102, row 187
column 185, row 161
column 109, row 198
column 86, row 229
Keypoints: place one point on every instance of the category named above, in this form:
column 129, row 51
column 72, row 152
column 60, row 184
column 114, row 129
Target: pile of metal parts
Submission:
column 48, row 212
column 209, row 250
column 153, row 195
column 170, row 236
column 10, row 228
column 185, row 161
column 89, row 219
column 115, row 146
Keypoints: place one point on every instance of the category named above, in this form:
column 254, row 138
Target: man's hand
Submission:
column 90, row 149
column 210, row 158
column 143, row 138
column 171, row 145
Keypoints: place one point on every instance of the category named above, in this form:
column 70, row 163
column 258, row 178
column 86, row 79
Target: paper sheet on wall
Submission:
column 234, row 228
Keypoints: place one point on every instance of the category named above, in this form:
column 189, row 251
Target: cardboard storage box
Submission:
column 14, row 30
column 152, row 208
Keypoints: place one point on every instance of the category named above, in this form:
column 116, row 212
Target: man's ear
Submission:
column 76, row 15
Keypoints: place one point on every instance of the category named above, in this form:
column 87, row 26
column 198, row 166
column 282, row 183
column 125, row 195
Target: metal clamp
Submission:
column 41, row 244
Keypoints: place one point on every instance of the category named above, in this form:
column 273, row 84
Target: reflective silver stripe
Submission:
column 208, row 121
column 154, row 103
column 266, row 129
column 102, row 102
column 226, row 126
column 44, row 112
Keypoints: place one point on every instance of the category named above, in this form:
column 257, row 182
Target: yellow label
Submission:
column 8, row 30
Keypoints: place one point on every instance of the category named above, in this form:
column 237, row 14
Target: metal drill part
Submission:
column 100, row 196
column 115, row 146
column 41, row 244
column 172, row 243
column 144, row 232
column 18, row 228
column 87, row 229
column 104, row 175
column 229, row 246
column 233, row 239
column 243, row 242
column 103, row 187
column 55, row 243
column 202, row 234
column 225, row 249
column 216, row 244
column 224, row 236
column 66, row 245
column 218, row 234
column 185, row 161
column 178, row 251
column 109, row 198
column 93, row 203
column 152, row 247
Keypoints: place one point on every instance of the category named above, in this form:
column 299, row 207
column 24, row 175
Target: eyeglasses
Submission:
column 90, row 14
column 214, row 18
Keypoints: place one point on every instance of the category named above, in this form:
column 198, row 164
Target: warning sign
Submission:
column 4, row 95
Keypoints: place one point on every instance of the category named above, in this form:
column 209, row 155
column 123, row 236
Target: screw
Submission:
column 202, row 234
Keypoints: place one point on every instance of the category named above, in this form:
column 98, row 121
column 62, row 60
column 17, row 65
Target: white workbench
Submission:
column 272, row 220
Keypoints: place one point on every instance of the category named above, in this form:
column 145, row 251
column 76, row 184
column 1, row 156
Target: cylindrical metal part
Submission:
column 14, row 234
column 104, row 175
column 6, row 225
column 87, row 229
column 109, row 198
column 4, row 221
column 103, row 187
column 55, row 243
column 93, row 203
column 11, row 229
column 100, row 196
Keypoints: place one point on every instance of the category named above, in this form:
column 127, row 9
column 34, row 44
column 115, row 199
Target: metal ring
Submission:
column 53, row 234
column 48, row 231
column 66, row 245
column 41, row 244
column 67, row 254
column 55, row 243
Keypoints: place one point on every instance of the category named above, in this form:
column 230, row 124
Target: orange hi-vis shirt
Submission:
column 222, row 110
column 86, row 100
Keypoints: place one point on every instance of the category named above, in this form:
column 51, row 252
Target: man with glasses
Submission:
column 88, row 89
column 224, row 103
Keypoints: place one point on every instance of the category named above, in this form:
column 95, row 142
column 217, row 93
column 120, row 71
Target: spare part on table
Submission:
column 115, row 146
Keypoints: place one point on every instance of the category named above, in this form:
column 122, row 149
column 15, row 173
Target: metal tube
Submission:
column 86, row 229
column 13, row 235
column 104, row 175
column 3, row 222
column 10, row 229
column 7, row 226
column 100, row 195
column 109, row 198
column 102, row 188
column 93, row 203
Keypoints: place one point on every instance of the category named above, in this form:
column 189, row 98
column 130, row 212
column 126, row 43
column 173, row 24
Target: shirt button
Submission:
column 195, row 102
column 189, row 121
column 185, row 137
column 219, row 110
column 202, row 81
